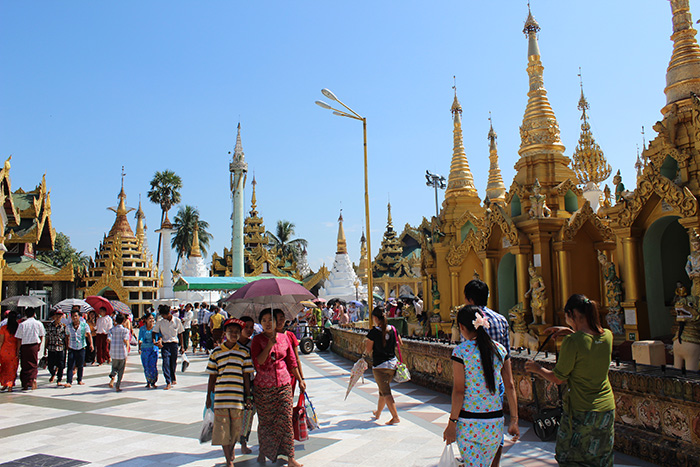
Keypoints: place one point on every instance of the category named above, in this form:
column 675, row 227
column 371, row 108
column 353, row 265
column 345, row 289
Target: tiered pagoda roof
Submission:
column 390, row 260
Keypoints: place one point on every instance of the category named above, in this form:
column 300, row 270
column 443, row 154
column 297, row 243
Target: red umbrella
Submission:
column 98, row 302
column 274, row 292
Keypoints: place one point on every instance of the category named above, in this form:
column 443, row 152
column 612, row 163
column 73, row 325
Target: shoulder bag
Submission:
column 402, row 374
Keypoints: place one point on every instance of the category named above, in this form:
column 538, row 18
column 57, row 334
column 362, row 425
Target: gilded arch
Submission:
column 577, row 221
column 458, row 253
column 681, row 199
column 497, row 216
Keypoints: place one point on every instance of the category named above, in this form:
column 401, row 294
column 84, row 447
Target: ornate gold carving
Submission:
column 109, row 282
column 681, row 199
column 65, row 274
column 321, row 274
column 579, row 218
column 497, row 216
column 567, row 185
column 516, row 189
column 458, row 253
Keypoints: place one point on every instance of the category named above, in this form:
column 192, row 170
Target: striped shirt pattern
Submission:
column 229, row 364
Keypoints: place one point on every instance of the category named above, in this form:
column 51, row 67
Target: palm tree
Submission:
column 185, row 222
column 165, row 191
column 285, row 231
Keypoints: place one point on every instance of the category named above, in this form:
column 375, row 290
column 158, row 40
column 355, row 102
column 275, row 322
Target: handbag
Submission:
column 301, row 433
column 448, row 457
column 545, row 422
column 311, row 418
column 402, row 374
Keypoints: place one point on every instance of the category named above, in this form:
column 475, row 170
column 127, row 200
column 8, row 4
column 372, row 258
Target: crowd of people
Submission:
column 254, row 369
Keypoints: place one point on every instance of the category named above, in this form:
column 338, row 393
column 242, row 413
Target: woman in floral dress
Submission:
column 476, row 418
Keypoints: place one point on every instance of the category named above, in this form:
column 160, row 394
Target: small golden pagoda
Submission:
column 391, row 269
column 362, row 265
column 123, row 268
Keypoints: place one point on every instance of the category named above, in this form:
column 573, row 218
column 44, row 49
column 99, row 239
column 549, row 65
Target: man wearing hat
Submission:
column 55, row 347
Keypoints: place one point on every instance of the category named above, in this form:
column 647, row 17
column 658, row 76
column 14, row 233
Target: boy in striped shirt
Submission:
column 229, row 369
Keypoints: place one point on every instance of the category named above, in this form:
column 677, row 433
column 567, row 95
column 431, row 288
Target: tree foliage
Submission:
column 185, row 222
column 283, row 240
column 165, row 192
column 63, row 253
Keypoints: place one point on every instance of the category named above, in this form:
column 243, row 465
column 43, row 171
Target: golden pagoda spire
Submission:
column 460, row 179
column 540, row 125
column 389, row 222
column 342, row 244
column 589, row 161
column 253, row 200
column 195, row 250
column 683, row 73
column 362, row 267
column 140, row 223
column 121, row 224
column 495, row 189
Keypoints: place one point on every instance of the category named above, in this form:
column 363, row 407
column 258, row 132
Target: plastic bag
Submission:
column 185, row 362
column 402, row 374
column 448, row 458
column 207, row 427
column 311, row 418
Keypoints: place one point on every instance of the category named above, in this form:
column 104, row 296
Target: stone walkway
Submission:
column 93, row 425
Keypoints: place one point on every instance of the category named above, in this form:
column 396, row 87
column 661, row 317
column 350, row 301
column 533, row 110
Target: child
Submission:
column 229, row 368
column 119, row 340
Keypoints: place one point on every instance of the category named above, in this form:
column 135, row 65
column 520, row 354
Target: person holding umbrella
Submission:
column 103, row 326
column 274, row 359
column 55, row 348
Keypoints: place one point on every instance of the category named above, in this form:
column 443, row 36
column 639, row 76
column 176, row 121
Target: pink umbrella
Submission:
column 274, row 293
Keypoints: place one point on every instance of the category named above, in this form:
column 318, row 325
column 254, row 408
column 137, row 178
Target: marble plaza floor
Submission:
column 94, row 425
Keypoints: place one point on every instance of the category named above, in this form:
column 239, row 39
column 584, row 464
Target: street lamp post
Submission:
column 436, row 181
column 355, row 116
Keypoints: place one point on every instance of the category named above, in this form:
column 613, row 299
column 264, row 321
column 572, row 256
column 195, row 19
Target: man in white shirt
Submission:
column 102, row 327
column 187, row 315
column 170, row 329
column 30, row 332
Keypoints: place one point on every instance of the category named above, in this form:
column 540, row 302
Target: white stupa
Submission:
column 194, row 265
column 342, row 282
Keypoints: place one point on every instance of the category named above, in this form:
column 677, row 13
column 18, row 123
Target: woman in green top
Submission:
column 586, row 432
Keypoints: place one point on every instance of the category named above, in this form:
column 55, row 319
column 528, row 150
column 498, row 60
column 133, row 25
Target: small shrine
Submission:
column 342, row 281
column 123, row 268
column 28, row 231
column 393, row 271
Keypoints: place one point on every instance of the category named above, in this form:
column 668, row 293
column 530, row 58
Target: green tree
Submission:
column 186, row 221
column 165, row 192
column 283, row 240
column 63, row 253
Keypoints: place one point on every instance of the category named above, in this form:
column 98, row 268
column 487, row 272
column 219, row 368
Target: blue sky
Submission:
column 88, row 87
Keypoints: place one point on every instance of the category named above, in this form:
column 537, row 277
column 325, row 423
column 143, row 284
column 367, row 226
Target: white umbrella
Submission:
column 67, row 305
column 23, row 301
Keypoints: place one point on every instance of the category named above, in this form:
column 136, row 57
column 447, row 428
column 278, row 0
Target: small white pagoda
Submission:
column 342, row 282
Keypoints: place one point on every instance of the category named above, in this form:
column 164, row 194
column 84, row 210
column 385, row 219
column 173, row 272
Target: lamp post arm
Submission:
column 351, row 111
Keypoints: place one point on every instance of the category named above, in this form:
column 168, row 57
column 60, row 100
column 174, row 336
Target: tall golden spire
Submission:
column 495, row 189
column 362, row 266
column 342, row 244
column 254, row 200
column 460, row 179
column 195, row 250
column 140, row 223
column 389, row 222
column 121, row 224
column 540, row 125
column 683, row 73
column 589, row 161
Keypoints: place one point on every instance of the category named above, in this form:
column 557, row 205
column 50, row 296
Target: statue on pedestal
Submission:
column 538, row 205
column 538, row 300
column 613, row 292
column 521, row 335
column 607, row 200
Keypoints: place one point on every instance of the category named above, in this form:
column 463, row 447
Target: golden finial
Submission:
column 495, row 189
column 342, row 243
column 195, row 250
column 683, row 73
column 589, row 162
column 644, row 142
column 460, row 177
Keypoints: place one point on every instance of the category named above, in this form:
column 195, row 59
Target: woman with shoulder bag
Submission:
column 381, row 342
column 588, row 405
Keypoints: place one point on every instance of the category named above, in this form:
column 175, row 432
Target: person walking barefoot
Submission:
column 381, row 343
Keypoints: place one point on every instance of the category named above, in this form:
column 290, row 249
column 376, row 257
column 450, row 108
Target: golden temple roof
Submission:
column 460, row 179
column 589, row 161
column 121, row 224
column 683, row 73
